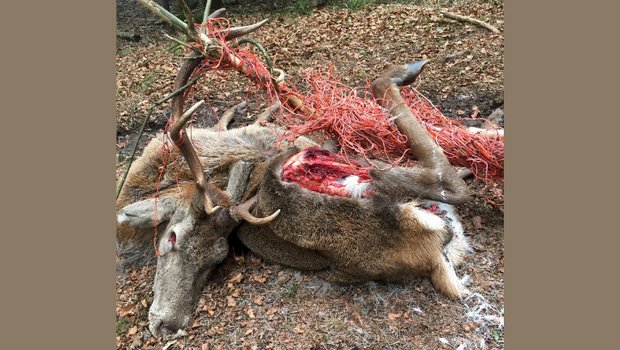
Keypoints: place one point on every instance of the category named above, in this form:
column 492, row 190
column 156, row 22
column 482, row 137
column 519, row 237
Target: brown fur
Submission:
column 384, row 237
column 362, row 239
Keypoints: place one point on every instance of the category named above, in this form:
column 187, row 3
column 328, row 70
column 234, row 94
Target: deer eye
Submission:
column 173, row 238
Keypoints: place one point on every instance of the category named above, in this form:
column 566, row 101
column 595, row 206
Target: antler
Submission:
column 211, row 47
column 180, row 139
column 243, row 211
column 199, row 36
column 183, row 143
column 237, row 32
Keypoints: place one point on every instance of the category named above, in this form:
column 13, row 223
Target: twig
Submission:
column 259, row 47
column 146, row 119
column 184, row 44
column 473, row 21
column 189, row 18
column 164, row 14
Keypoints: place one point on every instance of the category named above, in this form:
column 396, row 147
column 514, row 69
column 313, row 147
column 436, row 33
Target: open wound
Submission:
column 322, row 171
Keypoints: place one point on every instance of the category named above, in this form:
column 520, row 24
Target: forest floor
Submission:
column 249, row 304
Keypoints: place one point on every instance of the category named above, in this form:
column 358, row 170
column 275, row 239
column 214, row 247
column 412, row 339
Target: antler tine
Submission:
column 217, row 13
column 243, row 211
column 182, row 141
column 244, row 30
column 207, row 10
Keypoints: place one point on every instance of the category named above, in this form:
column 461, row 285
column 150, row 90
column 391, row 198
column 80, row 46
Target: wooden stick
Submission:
column 473, row 21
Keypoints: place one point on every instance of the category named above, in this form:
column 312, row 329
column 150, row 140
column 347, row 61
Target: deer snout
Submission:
column 162, row 325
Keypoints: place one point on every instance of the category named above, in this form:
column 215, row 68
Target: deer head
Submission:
column 197, row 218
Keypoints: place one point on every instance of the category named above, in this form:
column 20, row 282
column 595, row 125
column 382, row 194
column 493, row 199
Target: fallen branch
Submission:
column 473, row 21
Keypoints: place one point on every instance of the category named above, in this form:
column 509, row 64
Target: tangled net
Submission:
column 362, row 128
column 354, row 120
column 357, row 124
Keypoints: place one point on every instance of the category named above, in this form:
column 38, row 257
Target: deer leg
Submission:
column 339, row 277
column 444, row 278
column 464, row 173
column 264, row 243
column 229, row 115
column 433, row 176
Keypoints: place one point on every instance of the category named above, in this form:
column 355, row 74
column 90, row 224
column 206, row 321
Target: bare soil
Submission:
column 249, row 304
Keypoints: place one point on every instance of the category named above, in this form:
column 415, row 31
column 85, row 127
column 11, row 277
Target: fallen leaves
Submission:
column 271, row 313
column 261, row 278
column 477, row 221
column 469, row 327
column 133, row 330
column 358, row 318
column 230, row 301
column 394, row 315
column 126, row 310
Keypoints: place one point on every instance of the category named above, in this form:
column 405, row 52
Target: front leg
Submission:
column 264, row 243
column 338, row 277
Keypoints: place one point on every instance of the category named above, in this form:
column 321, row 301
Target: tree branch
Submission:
column 473, row 21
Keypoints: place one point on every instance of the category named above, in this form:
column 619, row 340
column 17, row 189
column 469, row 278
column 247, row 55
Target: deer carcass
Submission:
column 388, row 235
column 399, row 224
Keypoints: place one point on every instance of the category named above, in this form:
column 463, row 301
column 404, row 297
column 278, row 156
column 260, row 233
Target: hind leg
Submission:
column 444, row 279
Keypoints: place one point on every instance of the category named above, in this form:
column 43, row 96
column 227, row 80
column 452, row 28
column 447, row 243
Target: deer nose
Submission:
column 161, row 326
column 155, row 328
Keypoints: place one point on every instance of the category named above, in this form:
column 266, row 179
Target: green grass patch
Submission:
column 354, row 5
column 148, row 80
column 122, row 325
column 290, row 291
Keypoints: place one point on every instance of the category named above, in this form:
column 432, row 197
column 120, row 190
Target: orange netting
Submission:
column 362, row 128
column 353, row 119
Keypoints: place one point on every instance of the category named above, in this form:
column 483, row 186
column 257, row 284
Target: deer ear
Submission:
column 142, row 214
